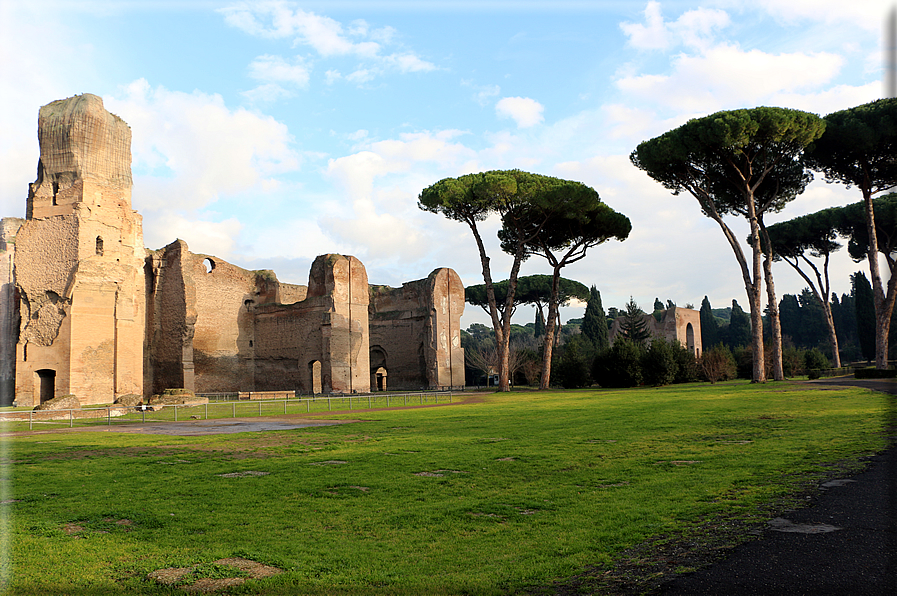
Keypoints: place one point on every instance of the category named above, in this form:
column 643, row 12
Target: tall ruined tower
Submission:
column 79, row 261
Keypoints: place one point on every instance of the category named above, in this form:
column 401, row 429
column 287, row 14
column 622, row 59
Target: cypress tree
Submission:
column 865, row 312
column 540, row 323
column 594, row 322
column 709, row 326
column 739, row 327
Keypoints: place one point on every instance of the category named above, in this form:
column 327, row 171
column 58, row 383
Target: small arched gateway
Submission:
column 378, row 368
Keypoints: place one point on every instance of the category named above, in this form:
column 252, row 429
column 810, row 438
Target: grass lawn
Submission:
column 496, row 496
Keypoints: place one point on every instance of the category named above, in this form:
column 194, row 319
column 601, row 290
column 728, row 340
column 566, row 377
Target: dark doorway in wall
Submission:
column 47, row 379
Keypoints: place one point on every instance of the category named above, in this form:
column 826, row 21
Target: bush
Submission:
column 688, row 365
column 815, row 360
column 659, row 365
column 571, row 370
column 792, row 361
column 744, row 362
column 718, row 364
column 620, row 365
column 875, row 373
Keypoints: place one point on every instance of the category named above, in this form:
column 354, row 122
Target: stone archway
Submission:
column 378, row 368
column 690, row 339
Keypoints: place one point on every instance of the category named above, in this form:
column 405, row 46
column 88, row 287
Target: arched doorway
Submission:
column 380, row 379
column 378, row 368
column 690, row 338
column 47, row 384
column 314, row 370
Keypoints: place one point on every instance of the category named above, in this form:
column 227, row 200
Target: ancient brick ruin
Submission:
column 85, row 309
column 675, row 324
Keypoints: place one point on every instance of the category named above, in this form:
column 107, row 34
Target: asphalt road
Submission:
column 845, row 543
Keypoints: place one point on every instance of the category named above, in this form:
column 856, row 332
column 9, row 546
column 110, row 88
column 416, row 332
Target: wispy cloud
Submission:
column 327, row 38
column 526, row 112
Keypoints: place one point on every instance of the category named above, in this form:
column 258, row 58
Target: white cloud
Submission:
column 868, row 14
column 204, row 237
column 189, row 149
column 832, row 99
column 526, row 112
column 726, row 76
column 327, row 37
column 276, row 69
column 694, row 29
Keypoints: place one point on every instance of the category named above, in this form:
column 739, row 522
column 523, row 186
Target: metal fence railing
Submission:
column 108, row 415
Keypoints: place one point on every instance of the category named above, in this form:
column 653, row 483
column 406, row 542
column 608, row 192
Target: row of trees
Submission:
column 752, row 162
column 556, row 219
column 806, row 323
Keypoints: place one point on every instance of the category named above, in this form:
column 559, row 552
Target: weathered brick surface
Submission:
column 79, row 261
column 415, row 332
column 102, row 317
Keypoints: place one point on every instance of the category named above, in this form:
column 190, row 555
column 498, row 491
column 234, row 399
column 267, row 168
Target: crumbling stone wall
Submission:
column 415, row 332
column 86, row 309
column 320, row 343
column 9, row 309
column 79, row 262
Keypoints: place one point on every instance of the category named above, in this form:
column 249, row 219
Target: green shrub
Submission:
column 620, row 365
column 814, row 359
column 792, row 361
column 659, row 365
column 874, row 373
column 571, row 369
column 718, row 364
column 688, row 365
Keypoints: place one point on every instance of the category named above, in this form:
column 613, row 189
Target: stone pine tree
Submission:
column 561, row 225
column 594, row 322
column 472, row 198
column 709, row 326
column 795, row 242
column 865, row 314
column 743, row 163
column 854, row 227
column 857, row 149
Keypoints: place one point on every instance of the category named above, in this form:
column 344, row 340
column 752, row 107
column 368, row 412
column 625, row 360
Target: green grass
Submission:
column 479, row 498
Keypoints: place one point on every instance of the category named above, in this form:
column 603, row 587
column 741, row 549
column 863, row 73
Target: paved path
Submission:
column 844, row 544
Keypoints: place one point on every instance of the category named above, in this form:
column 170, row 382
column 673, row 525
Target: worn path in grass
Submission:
column 800, row 553
column 215, row 426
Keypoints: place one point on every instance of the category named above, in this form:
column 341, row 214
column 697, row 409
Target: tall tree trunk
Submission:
column 550, row 331
column 754, row 290
column 775, row 324
column 832, row 334
column 879, row 299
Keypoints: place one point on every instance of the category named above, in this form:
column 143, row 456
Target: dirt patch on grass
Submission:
column 189, row 578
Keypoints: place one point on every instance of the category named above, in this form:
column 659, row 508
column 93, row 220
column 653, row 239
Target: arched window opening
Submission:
column 690, row 338
column 210, row 265
column 100, row 245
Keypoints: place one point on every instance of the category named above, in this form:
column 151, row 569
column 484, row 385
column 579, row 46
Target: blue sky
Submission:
column 267, row 133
